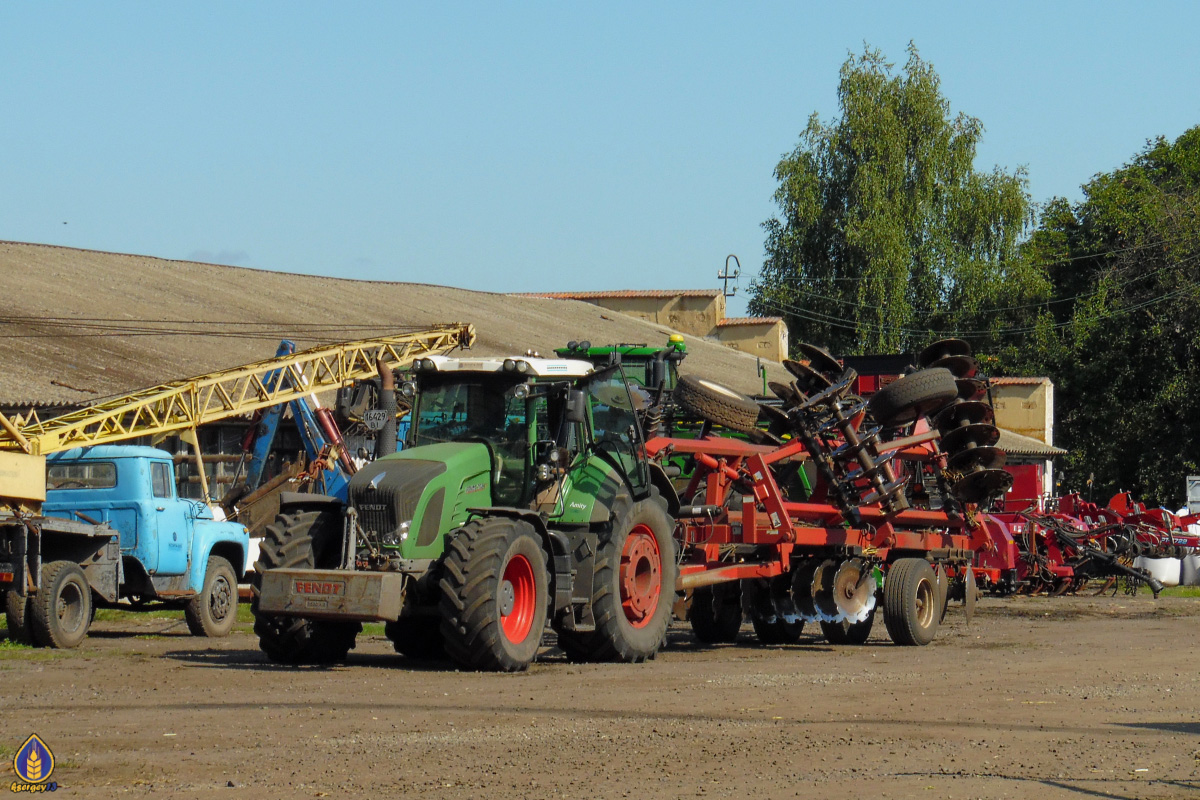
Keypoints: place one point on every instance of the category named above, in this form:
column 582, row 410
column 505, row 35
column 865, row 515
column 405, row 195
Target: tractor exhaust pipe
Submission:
column 385, row 441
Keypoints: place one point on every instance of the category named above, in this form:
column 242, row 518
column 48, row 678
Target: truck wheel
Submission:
column 910, row 602
column 213, row 612
column 633, row 586
column 716, row 612
column 301, row 540
column 716, row 403
column 847, row 632
column 17, row 609
column 913, row 396
column 416, row 637
column 494, row 594
column 62, row 610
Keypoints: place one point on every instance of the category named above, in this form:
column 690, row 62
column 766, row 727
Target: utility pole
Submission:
column 726, row 276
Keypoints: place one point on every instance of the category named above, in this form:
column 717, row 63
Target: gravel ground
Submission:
column 1038, row 698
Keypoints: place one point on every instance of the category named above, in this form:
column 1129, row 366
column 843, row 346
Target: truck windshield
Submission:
column 84, row 475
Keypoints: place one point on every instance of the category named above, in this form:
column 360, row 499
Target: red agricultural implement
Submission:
column 840, row 505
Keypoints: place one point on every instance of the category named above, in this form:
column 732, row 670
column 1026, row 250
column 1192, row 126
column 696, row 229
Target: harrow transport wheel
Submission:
column 632, row 590
column 494, row 594
column 416, row 637
column 213, row 612
column 716, row 613
column 301, row 540
column 717, row 403
column 770, row 625
column 17, row 609
column 913, row 396
column 911, row 605
column 846, row 632
column 61, row 612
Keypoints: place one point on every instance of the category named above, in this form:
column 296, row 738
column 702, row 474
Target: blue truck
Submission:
column 114, row 533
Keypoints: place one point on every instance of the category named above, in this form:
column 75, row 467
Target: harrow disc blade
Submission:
column 807, row 379
column 969, row 592
column 774, row 414
column 971, row 389
column 785, row 392
column 782, row 602
column 822, row 592
column 854, row 590
column 978, row 458
column 802, row 590
column 820, row 359
column 959, row 366
column 967, row 412
column 941, row 349
column 885, row 494
column 979, row 486
column 968, row 436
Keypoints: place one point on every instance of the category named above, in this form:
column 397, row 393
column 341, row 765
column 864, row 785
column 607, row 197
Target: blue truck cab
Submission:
column 171, row 550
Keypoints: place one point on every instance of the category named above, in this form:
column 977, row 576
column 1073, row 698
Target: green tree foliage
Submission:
column 1121, row 336
column 887, row 236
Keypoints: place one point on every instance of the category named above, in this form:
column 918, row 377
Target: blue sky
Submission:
column 521, row 146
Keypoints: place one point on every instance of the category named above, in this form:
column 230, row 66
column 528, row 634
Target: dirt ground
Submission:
column 1038, row 698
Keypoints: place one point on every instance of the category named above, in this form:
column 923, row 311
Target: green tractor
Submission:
column 522, row 499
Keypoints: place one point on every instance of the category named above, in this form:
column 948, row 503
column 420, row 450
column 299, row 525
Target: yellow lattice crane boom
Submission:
column 186, row 404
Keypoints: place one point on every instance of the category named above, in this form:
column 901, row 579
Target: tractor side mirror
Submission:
column 576, row 406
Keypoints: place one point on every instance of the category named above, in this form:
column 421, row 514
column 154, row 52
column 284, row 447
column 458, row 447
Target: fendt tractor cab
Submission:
column 522, row 498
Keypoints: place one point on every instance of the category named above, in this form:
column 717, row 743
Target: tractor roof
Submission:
column 531, row 366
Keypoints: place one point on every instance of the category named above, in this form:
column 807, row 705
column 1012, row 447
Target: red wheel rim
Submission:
column 518, row 598
column 641, row 576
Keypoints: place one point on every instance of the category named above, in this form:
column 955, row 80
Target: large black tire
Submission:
column 61, row 611
column 213, row 612
column 915, row 395
column 632, row 589
column 417, row 637
column 716, row 613
column 911, row 603
column 494, row 594
column 17, row 609
column 716, row 403
column 769, row 626
column 301, row 540
column 847, row 632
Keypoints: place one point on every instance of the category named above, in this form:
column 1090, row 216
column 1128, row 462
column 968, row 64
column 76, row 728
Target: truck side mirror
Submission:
column 576, row 406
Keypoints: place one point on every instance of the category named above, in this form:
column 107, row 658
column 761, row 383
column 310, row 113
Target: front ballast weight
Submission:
column 866, row 535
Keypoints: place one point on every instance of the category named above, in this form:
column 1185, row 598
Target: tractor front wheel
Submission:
column 301, row 540
column 494, row 595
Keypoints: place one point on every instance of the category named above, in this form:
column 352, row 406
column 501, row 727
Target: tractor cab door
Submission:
column 615, row 428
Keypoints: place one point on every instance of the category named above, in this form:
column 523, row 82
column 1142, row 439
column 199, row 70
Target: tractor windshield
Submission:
column 486, row 408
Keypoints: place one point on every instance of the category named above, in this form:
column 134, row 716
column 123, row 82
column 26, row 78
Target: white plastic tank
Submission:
column 1166, row 570
column 1189, row 572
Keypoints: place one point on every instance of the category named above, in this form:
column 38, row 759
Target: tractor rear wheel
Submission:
column 416, row 637
column 632, row 590
column 494, row 595
column 17, row 610
column 911, row 603
column 848, row 632
column 61, row 612
column 716, row 612
column 717, row 403
column 913, row 396
column 213, row 612
column 301, row 540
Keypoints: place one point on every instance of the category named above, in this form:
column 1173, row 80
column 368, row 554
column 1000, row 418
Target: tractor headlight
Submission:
column 395, row 538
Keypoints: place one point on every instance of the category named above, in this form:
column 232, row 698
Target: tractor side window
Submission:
column 615, row 424
column 160, row 478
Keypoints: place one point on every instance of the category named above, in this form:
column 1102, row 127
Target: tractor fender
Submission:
column 290, row 502
column 556, row 543
column 666, row 490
